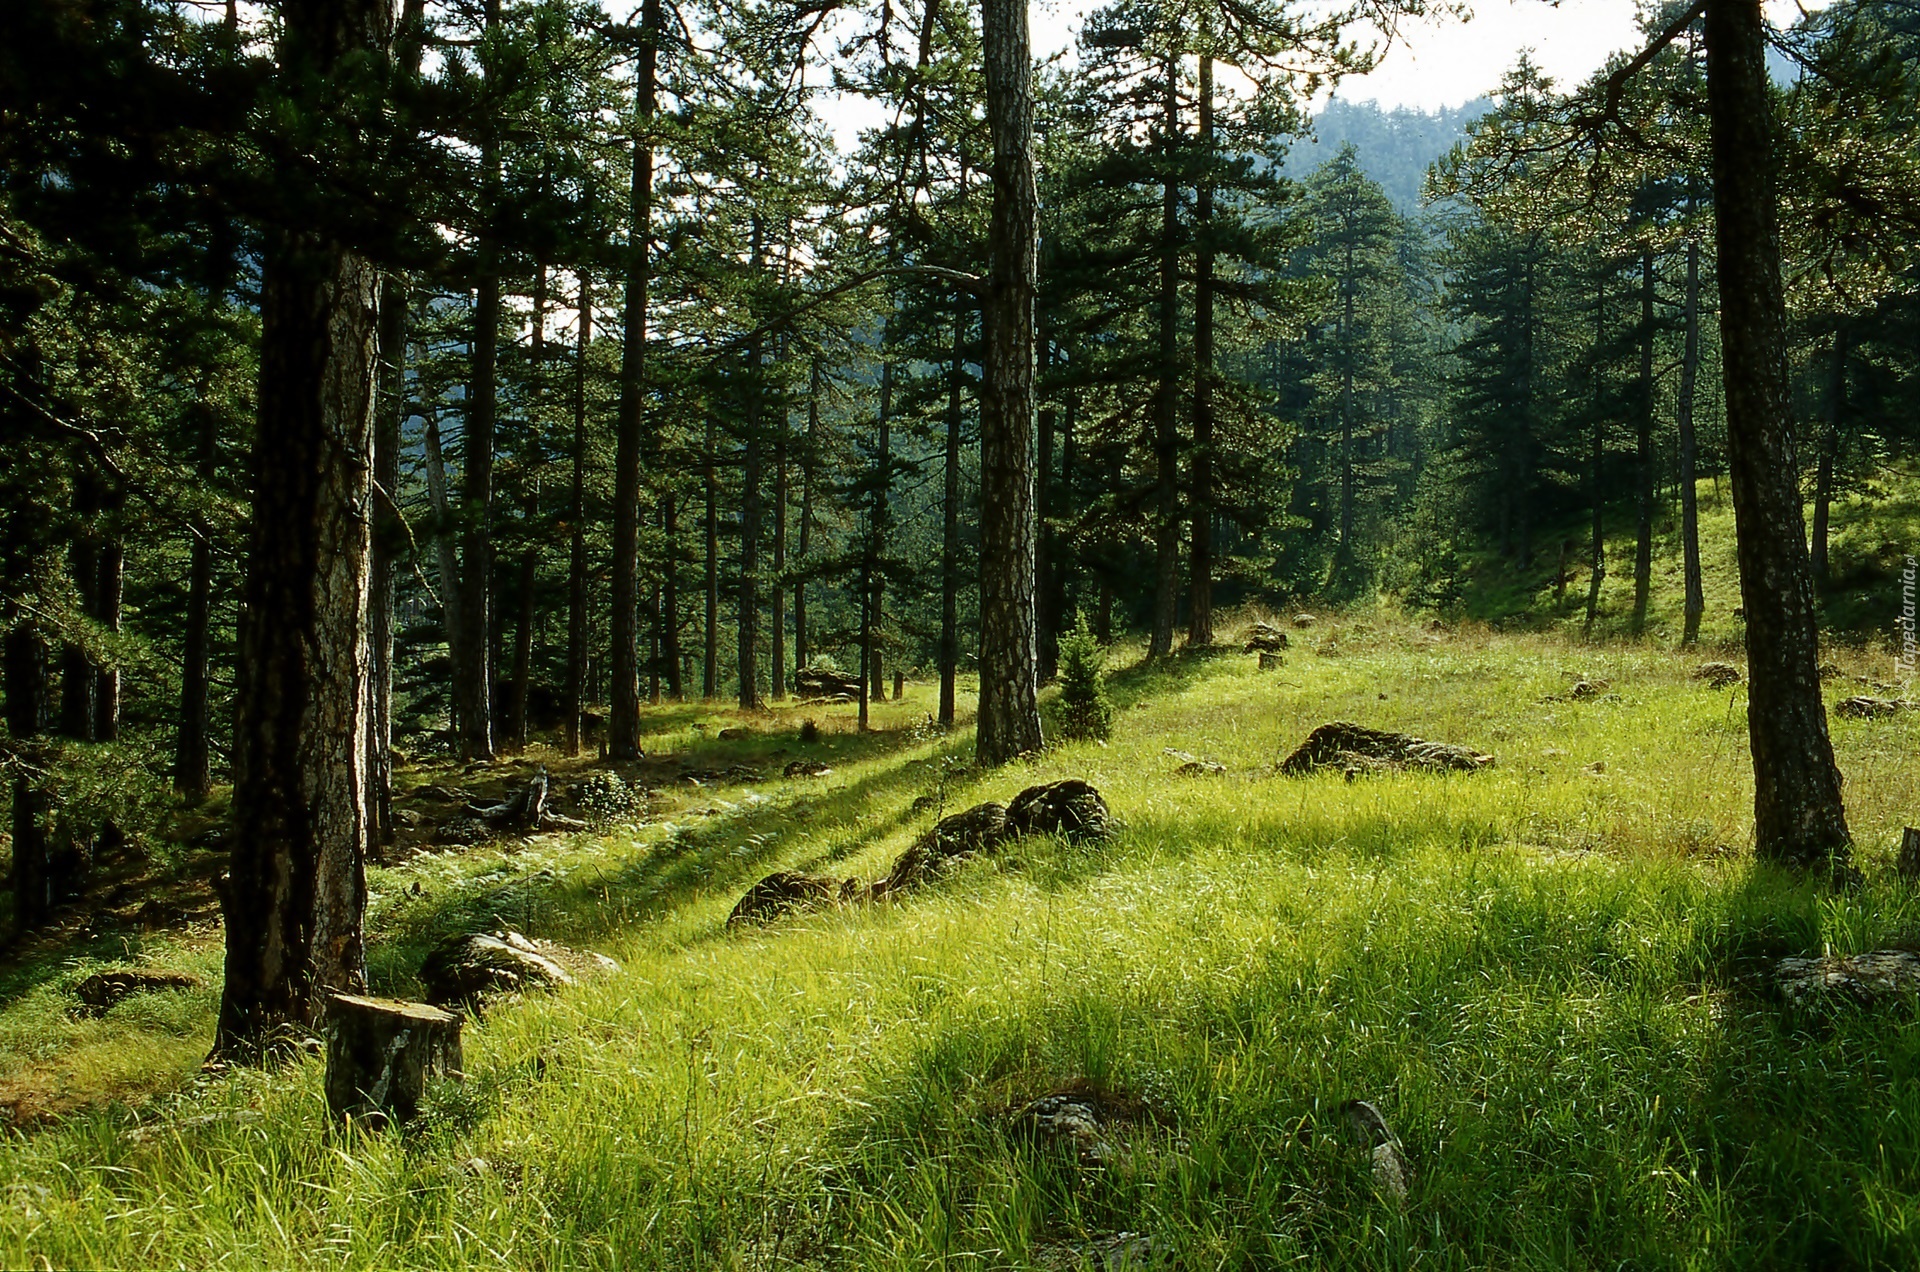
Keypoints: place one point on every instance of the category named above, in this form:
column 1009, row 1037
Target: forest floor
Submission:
column 1550, row 976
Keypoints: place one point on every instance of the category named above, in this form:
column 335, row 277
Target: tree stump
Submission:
column 1908, row 862
column 379, row 1053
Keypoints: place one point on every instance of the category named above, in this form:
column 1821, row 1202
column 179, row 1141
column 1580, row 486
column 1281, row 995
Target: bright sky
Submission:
column 1443, row 62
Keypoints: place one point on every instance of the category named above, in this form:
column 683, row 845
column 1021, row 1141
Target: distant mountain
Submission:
column 1396, row 146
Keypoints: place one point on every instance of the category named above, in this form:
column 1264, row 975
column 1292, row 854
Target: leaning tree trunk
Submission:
column 623, row 721
column 1643, row 453
column 1799, row 817
column 1009, row 714
column 297, row 885
column 1200, row 553
column 1696, row 599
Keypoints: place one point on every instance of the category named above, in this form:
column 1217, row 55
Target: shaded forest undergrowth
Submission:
column 1543, row 973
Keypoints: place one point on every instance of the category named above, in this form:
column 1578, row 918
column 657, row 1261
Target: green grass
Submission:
column 1542, row 973
column 1873, row 529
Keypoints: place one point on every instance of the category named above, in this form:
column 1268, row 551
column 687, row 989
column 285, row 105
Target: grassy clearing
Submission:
column 1541, row 973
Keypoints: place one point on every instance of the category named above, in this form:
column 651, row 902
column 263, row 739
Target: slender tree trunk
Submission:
column 808, row 458
column 623, row 722
column 710, row 669
column 390, row 411
column 950, row 521
column 1343, row 555
column 1829, row 449
column 1643, row 453
column 109, row 591
column 1597, row 562
column 670, row 593
column 1166, row 427
column 1069, row 452
column 35, row 885
column 778, row 653
column 390, row 415
column 577, row 637
column 296, row 889
column 1009, row 714
column 1047, row 621
column 1799, row 818
column 445, row 565
column 1200, row 585
column 482, row 407
column 877, row 517
column 78, row 682
column 1696, row 600
column 748, row 608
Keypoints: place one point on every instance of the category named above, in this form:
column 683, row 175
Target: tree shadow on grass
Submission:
column 1162, row 677
column 720, row 853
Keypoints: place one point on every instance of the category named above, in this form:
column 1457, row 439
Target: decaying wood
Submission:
column 380, row 1052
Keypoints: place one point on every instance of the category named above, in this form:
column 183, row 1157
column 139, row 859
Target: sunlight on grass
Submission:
column 1541, row 973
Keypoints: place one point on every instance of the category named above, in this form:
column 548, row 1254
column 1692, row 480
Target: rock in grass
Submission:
column 1303, row 620
column 1355, row 748
column 1107, row 1252
column 102, row 991
column 1718, row 675
column 1264, row 638
column 979, row 829
column 1192, row 765
column 787, row 891
column 1868, row 980
column 1071, row 808
column 1864, row 707
column 1390, row 1173
column 476, row 966
column 808, row 768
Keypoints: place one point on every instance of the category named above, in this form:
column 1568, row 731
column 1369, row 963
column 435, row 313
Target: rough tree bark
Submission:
column 1009, row 715
column 297, row 885
column 1799, row 817
column 623, row 721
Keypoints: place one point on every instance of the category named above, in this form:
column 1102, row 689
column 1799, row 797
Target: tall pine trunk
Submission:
column 777, row 657
column 1799, row 817
column 1829, row 451
column 710, row 663
column 296, row 889
column 1009, row 715
column 809, row 457
column 577, row 632
column 748, row 609
column 1166, row 434
column 1597, row 445
column 389, row 412
column 1696, row 599
column 950, row 521
column 623, row 723
column 1200, row 563
column 77, row 678
column 1643, row 452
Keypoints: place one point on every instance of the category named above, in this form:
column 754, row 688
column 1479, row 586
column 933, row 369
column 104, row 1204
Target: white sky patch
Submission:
column 1431, row 64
